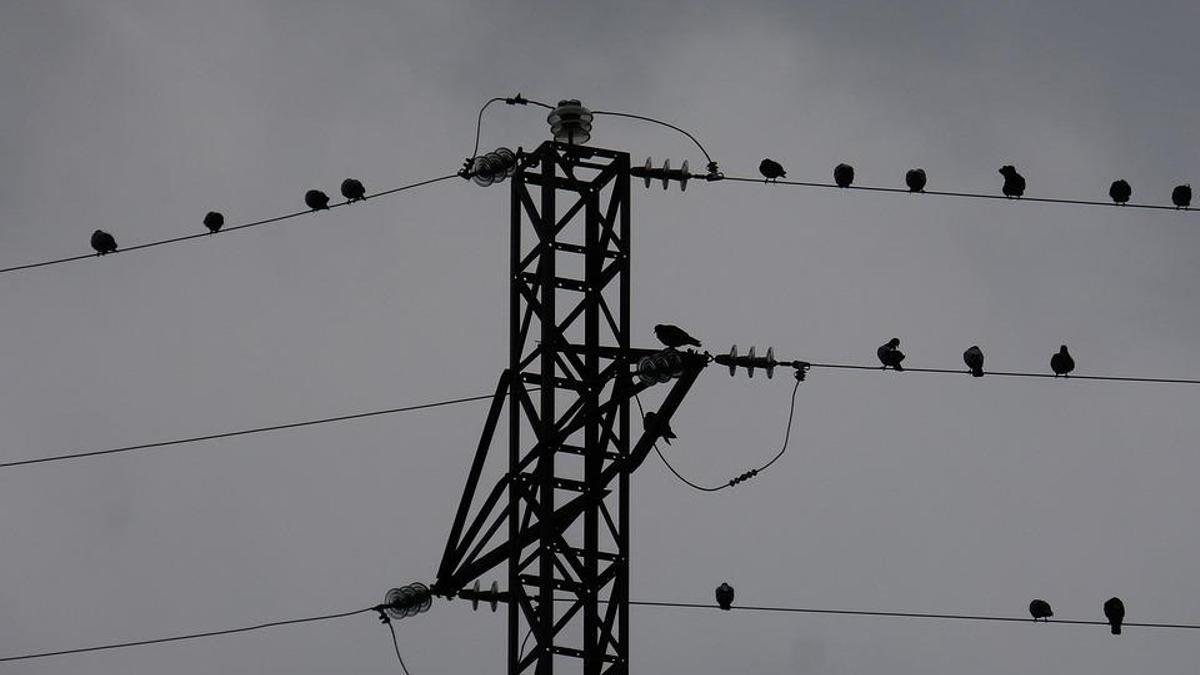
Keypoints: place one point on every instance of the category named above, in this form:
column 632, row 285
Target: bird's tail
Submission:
column 1116, row 629
column 977, row 372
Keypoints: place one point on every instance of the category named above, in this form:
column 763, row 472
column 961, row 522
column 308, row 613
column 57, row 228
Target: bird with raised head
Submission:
column 890, row 355
column 1040, row 609
column 674, row 336
column 915, row 180
column 214, row 221
column 1120, row 191
column 1014, row 183
column 1181, row 196
column 1114, row 611
column 724, row 596
column 771, row 170
column 973, row 357
column 353, row 190
column 316, row 200
column 103, row 242
column 1062, row 363
column 843, row 175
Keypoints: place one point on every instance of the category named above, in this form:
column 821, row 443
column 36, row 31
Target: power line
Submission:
column 737, row 479
column 201, row 235
column 901, row 615
column 187, row 636
column 396, row 645
column 1002, row 373
column 244, row 432
column 970, row 195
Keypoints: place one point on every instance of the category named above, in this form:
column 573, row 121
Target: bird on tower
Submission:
column 659, row 427
column 724, row 596
column 674, row 336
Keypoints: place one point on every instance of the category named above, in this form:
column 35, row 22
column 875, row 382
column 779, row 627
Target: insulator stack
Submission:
column 660, row 367
column 406, row 601
column 666, row 174
column 492, row 596
column 749, row 361
column 492, row 168
column 570, row 122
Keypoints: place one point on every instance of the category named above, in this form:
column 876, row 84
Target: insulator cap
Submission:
column 570, row 122
column 660, row 367
column 407, row 601
column 493, row 167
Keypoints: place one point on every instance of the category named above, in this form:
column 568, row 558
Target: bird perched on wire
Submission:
column 1181, row 196
column 724, row 596
column 316, row 200
column 1014, row 183
column 843, row 175
column 353, row 190
column 103, row 242
column 915, row 180
column 1040, row 609
column 1114, row 610
column 673, row 336
column 1120, row 191
column 890, row 355
column 214, row 221
column 973, row 357
column 1062, row 363
column 658, row 427
column 771, row 170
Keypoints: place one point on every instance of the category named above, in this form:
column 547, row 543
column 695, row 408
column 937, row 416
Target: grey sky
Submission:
column 915, row 493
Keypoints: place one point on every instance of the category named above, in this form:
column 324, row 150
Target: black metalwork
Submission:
column 569, row 386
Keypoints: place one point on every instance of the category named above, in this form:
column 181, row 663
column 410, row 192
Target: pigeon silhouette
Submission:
column 973, row 357
column 1062, row 363
column 674, row 336
column 771, row 170
column 915, row 180
column 353, row 190
column 843, row 175
column 316, row 200
column 1120, row 191
column 1040, row 609
column 660, row 428
column 103, row 242
column 1014, row 183
column 724, row 596
column 1181, row 196
column 889, row 354
column 214, row 221
column 1114, row 610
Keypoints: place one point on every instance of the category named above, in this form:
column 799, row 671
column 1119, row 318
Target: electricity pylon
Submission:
column 571, row 448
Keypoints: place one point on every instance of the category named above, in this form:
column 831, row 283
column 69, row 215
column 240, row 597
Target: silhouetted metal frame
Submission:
column 578, row 546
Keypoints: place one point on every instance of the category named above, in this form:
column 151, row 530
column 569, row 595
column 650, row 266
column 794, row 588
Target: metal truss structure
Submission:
column 571, row 450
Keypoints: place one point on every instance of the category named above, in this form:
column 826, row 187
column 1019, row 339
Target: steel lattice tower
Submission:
column 569, row 386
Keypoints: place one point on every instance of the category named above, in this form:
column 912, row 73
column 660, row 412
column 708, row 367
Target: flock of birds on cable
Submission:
column 352, row 189
column 889, row 354
column 1114, row 609
column 843, row 176
column 1014, row 183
